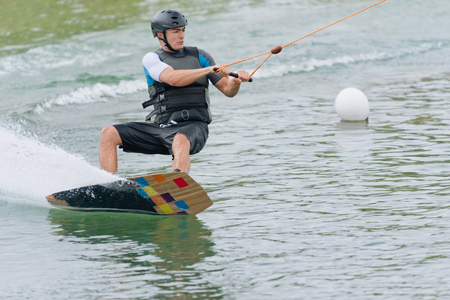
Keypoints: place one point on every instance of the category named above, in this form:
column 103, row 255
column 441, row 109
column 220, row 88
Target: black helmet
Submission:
column 167, row 19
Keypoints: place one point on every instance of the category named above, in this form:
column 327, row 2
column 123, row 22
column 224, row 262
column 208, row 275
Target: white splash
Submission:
column 313, row 63
column 96, row 93
column 30, row 170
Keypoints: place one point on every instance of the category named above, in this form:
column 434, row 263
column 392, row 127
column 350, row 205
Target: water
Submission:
column 305, row 206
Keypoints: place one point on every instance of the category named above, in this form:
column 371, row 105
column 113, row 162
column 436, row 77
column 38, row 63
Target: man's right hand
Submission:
column 222, row 70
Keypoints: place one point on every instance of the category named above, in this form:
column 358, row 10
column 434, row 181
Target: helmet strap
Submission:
column 166, row 42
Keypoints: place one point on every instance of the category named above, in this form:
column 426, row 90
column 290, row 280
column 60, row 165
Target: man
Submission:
column 177, row 77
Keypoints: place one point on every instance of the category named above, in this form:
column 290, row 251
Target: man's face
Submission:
column 175, row 37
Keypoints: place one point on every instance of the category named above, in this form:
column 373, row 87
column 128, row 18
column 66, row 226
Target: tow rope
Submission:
column 277, row 49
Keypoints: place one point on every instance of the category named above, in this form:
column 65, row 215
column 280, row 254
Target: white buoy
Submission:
column 352, row 105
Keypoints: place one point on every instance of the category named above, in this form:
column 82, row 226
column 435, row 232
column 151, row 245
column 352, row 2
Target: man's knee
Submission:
column 181, row 139
column 110, row 135
column 181, row 143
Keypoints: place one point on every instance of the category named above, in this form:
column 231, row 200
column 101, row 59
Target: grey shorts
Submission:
column 149, row 138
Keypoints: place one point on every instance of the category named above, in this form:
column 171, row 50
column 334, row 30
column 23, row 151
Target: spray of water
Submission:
column 30, row 170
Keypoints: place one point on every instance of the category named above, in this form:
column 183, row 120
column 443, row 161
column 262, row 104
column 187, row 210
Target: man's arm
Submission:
column 230, row 87
column 157, row 70
column 183, row 77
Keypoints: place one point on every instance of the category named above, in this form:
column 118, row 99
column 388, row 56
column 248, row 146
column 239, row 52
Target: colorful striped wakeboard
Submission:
column 159, row 194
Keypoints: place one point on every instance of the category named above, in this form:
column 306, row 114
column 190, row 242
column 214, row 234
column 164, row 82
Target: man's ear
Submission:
column 160, row 35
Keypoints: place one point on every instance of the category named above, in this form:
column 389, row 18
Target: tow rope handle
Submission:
column 235, row 75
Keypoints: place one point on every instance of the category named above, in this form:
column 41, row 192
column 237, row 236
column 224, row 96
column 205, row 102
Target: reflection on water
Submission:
column 349, row 125
column 140, row 251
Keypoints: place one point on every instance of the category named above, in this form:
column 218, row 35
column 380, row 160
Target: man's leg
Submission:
column 181, row 147
column 109, row 140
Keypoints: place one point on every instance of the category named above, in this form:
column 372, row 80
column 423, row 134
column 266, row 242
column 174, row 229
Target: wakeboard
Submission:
column 158, row 194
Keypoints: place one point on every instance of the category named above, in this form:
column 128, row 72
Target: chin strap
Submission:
column 166, row 42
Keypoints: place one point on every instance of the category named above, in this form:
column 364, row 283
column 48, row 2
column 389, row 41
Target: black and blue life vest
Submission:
column 179, row 104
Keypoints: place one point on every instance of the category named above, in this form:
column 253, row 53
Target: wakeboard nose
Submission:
column 55, row 202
